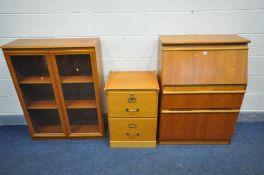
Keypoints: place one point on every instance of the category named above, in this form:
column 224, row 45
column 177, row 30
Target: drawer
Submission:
column 132, row 103
column 202, row 101
column 204, row 67
column 203, row 97
column 198, row 125
column 132, row 129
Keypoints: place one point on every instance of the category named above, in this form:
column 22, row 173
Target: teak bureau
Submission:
column 58, row 85
column 203, row 81
column 132, row 105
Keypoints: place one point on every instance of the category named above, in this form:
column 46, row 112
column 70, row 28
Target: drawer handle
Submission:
column 132, row 110
column 132, row 134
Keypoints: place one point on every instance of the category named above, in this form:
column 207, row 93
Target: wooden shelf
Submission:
column 84, row 128
column 35, row 80
column 76, row 79
column 42, row 105
column 79, row 104
column 49, row 129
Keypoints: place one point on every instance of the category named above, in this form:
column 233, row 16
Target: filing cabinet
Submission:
column 203, row 81
column 132, row 101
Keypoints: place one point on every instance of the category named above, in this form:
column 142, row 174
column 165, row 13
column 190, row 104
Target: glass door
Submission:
column 35, row 86
column 77, row 87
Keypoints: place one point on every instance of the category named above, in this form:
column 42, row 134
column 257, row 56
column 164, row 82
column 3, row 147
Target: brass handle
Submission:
column 132, row 134
column 132, row 110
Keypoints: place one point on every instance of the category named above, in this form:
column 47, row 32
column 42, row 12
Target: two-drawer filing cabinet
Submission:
column 203, row 80
column 132, row 105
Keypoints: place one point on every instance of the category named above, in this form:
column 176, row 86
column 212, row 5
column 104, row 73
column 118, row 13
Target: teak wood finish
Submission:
column 132, row 104
column 203, row 81
column 49, row 49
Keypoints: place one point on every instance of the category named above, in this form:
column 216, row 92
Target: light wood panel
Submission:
column 203, row 39
column 132, row 144
column 132, row 80
column 51, row 43
column 204, row 67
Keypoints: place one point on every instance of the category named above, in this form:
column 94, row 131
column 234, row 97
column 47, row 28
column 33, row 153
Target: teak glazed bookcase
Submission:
column 58, row 85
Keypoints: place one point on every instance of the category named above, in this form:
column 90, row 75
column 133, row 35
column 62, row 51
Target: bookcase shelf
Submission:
column 35, row 80
column 42, row 104
column 76, row 79
column 78, row 104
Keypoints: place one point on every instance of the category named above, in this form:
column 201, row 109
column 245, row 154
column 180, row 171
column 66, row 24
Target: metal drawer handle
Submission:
column 132, row 134
column 132, row 110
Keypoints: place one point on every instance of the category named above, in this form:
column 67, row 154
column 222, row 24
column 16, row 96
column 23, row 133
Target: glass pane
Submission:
column 37, row 92
column 79, row 91
column 83, row 120
column 45, row 121
column 74, row 65
column 30, row 65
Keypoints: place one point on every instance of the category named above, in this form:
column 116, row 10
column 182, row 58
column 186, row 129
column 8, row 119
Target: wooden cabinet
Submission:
column 132, row 101
column 203, row 80
column 58, row 85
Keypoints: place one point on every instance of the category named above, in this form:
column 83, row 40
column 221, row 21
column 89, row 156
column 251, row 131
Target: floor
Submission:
column 20, row 155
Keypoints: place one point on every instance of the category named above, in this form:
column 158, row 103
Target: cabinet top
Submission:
column 130, row 80
column 51, row 43
column 203, row 39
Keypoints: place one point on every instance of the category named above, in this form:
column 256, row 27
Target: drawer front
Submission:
column 197, row 126
column 202, row 101
column 204, row 67
column 132, row 104
column 131, row 129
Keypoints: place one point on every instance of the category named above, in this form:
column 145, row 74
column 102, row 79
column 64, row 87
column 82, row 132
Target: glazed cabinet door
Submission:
column 76, row 77
column 35, row 85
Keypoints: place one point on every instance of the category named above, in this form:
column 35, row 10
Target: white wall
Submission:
column 129, row 32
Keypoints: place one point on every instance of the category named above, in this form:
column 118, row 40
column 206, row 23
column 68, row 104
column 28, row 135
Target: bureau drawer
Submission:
column 202, row 101
column 203, row 97
column 132, row 103
column 204, row 67
column 132, row 129
column 198, row 125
